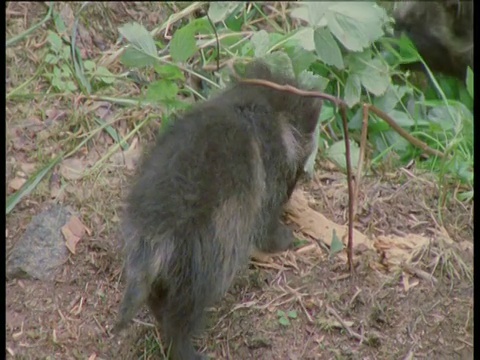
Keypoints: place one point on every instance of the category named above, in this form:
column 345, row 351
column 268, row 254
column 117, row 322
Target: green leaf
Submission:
column 375, row 78
column 29, row 185
column 162, row 90
column 89, row 65
column 219, row 10
column 391, row 98
column 312, row 81
column 183, row 44
column 169, row 72
column 51, row 59
column 59, row 23
column 336, row 246
column 353, row 90
column 469, row 81
column 301, row 58
column 304, row 38
column 139, row 37
column 70, row 86
column 281, row 313
column 284, row 321
column 356, row 24
column 336, row 153
column 327, row 48
column 280, row 63
column 261, row 43
column 292, row 314
column 55, row 41
column 312, row 12
column 105, row 75
column 405, row 120
column 133, row 58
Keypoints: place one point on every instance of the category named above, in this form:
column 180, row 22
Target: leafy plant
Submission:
column 284, row 318
column 341, row 48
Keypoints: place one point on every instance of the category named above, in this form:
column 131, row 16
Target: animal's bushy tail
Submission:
column 142, row 267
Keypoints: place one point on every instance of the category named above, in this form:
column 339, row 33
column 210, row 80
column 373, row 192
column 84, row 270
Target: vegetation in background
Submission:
column 341, row 48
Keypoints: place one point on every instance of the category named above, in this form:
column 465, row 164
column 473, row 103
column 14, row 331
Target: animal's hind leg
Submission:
column 179, row 318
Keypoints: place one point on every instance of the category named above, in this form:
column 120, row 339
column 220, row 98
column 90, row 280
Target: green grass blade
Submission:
column 31, row 183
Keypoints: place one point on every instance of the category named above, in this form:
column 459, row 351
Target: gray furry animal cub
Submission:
column 210, row 191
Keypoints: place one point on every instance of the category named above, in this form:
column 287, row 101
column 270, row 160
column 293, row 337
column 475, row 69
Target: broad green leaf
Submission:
column 105, row 75
column 390, row 99
column 133, row 58
column 70, row 85
column 312, row 12
column 292, row 314
column 304, row 37
column 284, row 321
column 219, row 10
column 353, row 90
column 280, row 63
column 374, row 77
column 89, row 65
column 356, row 24
column 169, row 72
column 139, row 37
column 311, row 81
column 55, row 41
column 301, row 58
column 281, row 313
column 441, row 115
column 327, row 48
column 261, row 43
column 405, row 120
column 59, row 23
column 336, row 245
column 162, row 90
column 51, row 59
column 336, row 153
column 183, row 44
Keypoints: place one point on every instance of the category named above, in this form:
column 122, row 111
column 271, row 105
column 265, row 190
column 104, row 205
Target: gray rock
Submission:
column 41, row 250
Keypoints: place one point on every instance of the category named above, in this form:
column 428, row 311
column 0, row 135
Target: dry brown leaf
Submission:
column 73, row 231
column 28, row 168
column 72, row 169
column 407, row 285
column 71, row 240
column 16, row 183
column 76, row 226
column 128, row 158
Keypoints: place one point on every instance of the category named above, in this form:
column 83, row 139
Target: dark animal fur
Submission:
column 442, row 31
column 210, row 191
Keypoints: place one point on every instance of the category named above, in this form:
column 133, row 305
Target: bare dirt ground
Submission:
column 406, row 300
